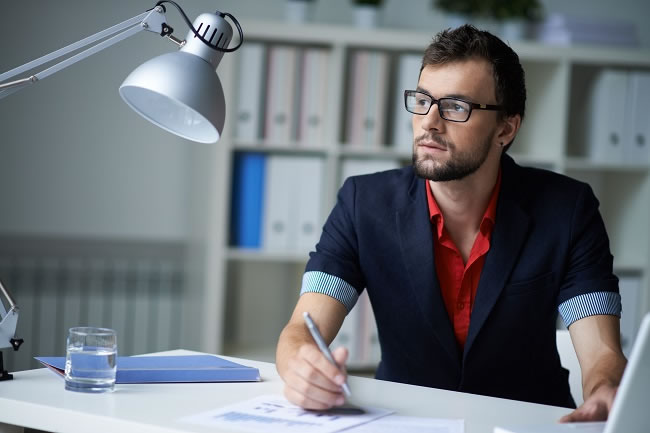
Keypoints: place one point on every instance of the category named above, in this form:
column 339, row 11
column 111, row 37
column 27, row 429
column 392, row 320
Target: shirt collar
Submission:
column 489, row 216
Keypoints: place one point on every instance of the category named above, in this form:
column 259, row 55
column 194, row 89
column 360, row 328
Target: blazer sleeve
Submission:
column 589, row 268
column 336, row 259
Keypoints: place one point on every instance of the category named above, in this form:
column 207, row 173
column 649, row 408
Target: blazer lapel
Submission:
column 508, row 236
column 416, row 239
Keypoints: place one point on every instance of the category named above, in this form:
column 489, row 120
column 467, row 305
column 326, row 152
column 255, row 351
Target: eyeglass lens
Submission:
column 449, row 108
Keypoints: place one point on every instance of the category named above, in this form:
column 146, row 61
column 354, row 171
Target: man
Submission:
column 466, row 256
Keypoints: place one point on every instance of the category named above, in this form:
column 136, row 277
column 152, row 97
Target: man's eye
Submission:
column 459, row 108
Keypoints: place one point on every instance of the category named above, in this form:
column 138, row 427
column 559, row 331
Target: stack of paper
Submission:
column 273, row 413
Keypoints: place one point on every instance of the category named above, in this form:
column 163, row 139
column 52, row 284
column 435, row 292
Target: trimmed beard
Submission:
column 459, row 165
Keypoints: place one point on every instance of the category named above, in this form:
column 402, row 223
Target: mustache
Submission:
column 435, row 138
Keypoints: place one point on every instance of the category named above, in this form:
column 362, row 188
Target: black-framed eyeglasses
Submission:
column 452, row 109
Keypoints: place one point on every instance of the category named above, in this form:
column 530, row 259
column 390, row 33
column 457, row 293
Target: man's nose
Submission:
column 432, row 119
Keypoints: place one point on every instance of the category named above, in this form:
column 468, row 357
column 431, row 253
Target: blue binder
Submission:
column 171, row 369
column 247, row 199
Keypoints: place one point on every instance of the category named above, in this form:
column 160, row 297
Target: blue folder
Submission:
column 247, row 199
column 170, row 369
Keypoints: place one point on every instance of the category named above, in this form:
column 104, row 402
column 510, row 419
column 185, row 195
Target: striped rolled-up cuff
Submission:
column 590, row 304
column 337, row 288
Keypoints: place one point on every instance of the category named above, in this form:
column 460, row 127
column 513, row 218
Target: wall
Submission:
column 76, row 161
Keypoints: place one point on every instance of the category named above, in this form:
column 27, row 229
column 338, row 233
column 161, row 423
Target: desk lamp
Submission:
column 8, row 322
column 178, row 91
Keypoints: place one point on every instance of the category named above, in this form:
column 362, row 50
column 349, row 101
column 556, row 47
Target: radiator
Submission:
column 138, row 296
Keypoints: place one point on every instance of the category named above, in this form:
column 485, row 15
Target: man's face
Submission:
column 444, row 150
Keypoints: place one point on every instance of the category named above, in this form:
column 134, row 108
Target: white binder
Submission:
column 408, row 68
column 307, row 201
column 292, row 212
column 357, row 97
column 637, row 138
column 348, row 337
column 630, row 289
column 367, row 98
column 250, row 91
column 375, row 121
column 607, row 105
column 279, row 220
column 358, row 166
column 374, row 351
column 313, row 98
column 281, row 89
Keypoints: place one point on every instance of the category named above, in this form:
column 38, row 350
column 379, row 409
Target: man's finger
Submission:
column 328, row 370
column 340, row 355
column 589, row 412
column 304, row 401
column 310, row 396
column 568, row 417
column 308, row 370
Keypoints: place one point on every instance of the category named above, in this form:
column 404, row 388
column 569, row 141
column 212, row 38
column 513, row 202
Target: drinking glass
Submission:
column 90, row 362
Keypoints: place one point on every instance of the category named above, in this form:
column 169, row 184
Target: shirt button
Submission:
column 460, row 305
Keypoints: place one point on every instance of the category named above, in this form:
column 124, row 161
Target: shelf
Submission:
column 383, row 152
column 259, row 255
column 400, row 39
column 628, row 267
column 260, row 286
column 532, row 160
column 295, row 148
column 585, row 164
column 266, row 353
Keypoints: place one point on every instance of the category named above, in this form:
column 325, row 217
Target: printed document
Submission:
column 410, row 424
column 273, row 413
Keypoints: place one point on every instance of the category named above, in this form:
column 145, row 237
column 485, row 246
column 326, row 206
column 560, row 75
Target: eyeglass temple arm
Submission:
column 153, row 21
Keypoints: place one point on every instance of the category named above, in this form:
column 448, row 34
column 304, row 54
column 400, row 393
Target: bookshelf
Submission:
column 250, row 293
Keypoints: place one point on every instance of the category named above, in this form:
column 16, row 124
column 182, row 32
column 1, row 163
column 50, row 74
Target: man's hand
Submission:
column 598, row 346
column 311, row 381
column 595, row 408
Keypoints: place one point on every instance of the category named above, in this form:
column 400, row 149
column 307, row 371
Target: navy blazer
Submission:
column 548, row 245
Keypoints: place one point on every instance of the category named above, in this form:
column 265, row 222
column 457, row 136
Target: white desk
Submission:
column 37, row 399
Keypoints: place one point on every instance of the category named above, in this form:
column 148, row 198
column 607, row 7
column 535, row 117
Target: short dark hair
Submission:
column 467, row 41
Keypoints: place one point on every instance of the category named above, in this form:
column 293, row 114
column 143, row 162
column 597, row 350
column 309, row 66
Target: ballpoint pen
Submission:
column 313, row 330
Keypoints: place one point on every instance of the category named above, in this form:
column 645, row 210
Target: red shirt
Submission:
column 458, row 280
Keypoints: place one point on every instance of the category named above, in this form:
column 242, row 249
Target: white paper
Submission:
column 410, row 424
column 273, row 413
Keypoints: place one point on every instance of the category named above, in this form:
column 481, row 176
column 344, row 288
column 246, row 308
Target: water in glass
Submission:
column 91, row 360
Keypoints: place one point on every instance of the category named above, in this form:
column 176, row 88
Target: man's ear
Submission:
column 508, row 128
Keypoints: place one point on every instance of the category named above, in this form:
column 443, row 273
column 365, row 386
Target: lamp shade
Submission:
column 181, row 93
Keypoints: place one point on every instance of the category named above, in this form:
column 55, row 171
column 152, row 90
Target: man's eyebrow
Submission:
column 460, row 96
column 452, row 95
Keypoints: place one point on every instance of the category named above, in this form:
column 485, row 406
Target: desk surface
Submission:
column 37, row 399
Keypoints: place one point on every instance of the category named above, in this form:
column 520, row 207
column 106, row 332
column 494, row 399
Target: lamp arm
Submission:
column 7, row 296
column 153, row 20
column 8, row 322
